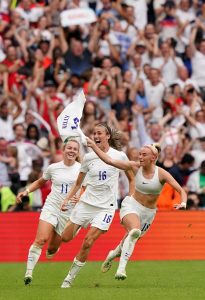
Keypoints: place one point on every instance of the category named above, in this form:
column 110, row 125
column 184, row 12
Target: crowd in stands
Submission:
column 141, row 64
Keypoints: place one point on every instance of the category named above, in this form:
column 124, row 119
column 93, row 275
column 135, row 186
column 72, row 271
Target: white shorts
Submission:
column 58, row 219
column 84, row 214
column 145, row 214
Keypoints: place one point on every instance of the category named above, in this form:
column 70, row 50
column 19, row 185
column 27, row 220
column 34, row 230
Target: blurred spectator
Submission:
column 193, row 201
column 198, row 58
column 32, row 133
column 7, row 199
column 6, row 121
column 154, row 91
column 168, row 63
column 4, row 176
column 199, row 154
column 21, row 207
column 168, row 158
column 140, row 63
column 182, row 171
column 26, row 152
column 35, row 198
column 196, row 181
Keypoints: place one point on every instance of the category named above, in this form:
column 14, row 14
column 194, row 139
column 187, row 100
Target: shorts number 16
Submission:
column 107, row 218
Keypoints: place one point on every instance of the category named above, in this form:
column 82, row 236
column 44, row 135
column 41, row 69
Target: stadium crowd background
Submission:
column 142, row 68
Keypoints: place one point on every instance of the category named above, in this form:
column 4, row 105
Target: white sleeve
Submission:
column 47, row 173
column 124, row 156
column 84, row 166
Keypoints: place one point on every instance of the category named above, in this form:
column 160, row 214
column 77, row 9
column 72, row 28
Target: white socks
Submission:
column 33, row 257
column 74, row 270
column 128, row 248
column 116, row 252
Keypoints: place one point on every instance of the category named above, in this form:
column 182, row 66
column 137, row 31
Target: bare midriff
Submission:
column 146, row 200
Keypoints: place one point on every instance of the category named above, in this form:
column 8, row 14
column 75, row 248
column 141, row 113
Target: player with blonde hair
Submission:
column 138, row 211
column 52, row 220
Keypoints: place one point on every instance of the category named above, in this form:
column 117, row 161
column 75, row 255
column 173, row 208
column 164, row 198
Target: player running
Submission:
column 52, row 220
column 138, row 211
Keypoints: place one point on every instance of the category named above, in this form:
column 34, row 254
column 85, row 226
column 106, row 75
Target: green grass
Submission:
column 163, row 280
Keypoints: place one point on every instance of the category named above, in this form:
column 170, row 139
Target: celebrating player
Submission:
column 98, row 203
column 138, row 211
column 52, row 220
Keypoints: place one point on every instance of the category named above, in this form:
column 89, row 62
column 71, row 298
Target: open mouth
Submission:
column 97, row 142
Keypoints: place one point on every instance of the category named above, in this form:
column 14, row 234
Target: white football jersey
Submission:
column 101, row 179
column 62, row 177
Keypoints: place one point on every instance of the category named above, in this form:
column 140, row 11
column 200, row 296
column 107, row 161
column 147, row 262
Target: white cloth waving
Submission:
column 68, row 121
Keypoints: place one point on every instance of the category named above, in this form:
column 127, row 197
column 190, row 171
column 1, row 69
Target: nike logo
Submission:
column 145, row 182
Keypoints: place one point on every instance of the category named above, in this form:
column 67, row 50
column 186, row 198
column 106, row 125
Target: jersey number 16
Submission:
column 102, row 175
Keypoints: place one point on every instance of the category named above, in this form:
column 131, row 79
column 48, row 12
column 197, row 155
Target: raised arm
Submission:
column 131, row 178
column 167, row 178
column 120, row 164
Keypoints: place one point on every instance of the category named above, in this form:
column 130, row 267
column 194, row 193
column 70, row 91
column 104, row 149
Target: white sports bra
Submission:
column 148, row 186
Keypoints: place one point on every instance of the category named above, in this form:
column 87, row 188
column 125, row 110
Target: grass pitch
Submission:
column 147, row 280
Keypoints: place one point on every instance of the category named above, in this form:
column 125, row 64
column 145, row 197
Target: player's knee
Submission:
column 66, row 238
column 88, row 242
column 41, row 241
column 135, row 233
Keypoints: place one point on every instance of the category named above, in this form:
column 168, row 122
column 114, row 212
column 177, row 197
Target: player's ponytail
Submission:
column 115, row 140
column 158, row 147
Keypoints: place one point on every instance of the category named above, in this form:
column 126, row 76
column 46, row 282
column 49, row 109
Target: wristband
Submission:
column 28, row 191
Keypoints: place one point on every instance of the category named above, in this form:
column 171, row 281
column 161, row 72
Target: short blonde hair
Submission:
column 155, row 148
column 78, row 158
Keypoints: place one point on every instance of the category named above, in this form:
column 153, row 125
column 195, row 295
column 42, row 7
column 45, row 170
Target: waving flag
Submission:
column 68, row 121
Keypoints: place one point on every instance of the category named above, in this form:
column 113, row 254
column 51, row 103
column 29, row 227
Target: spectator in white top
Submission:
column 183, row 76
column 168, row 25
column 168, row 63
column 150, row 39
column 140, row 12
column 198, row 60
column 4, row 176
column 29, row 11
column 195, row 181
column 199, row 154
column 139, row 47
column 136, row 67
column 197, row 128
column 185, row 12
column 154, row 91
column 26, row 153
column 149, row 135
column 6, row 121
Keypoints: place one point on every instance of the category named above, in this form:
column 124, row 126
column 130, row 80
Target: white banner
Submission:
column 68, row 121
column 77, row 16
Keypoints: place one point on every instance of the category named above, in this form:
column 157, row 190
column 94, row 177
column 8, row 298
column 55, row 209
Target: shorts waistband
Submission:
column 142, row 206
